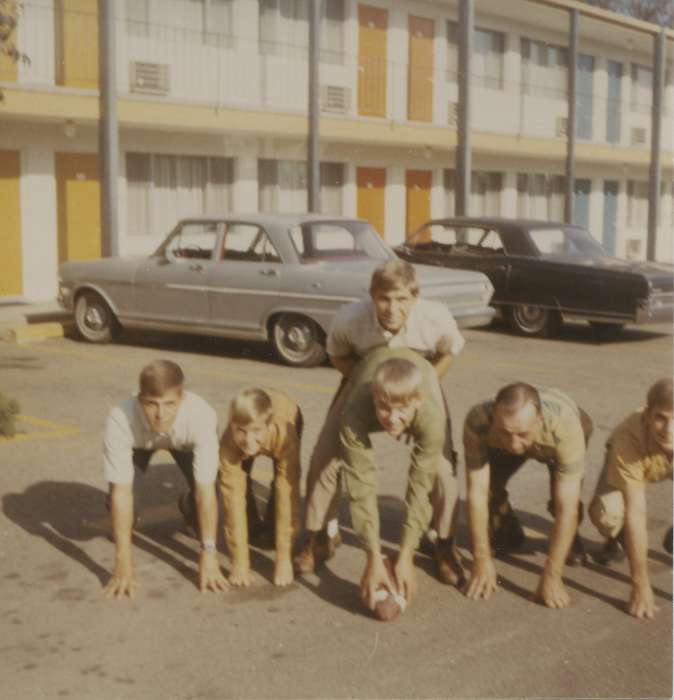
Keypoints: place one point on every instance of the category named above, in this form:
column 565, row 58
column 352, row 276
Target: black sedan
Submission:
column 546, row 272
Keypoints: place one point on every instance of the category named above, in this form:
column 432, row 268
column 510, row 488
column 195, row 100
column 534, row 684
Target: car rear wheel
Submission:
column 606, row 331
column 94, row 318
column 297, row 340
column 534, row 321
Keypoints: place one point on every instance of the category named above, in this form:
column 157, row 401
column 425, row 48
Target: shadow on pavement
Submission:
column 65, row 513
column 576, row 332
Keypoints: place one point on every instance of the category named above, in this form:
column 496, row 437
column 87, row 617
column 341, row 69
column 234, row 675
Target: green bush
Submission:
column 8, row 410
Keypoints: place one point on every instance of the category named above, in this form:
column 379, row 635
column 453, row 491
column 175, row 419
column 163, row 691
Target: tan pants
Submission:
column 607, row 509
column 323, row 486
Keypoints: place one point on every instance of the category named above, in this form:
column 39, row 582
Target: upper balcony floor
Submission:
column 382, row 63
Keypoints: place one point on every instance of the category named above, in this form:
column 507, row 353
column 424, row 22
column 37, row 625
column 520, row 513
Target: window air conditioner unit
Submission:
column 562, row 126
column 149, row 78
column 452, row 114
column 335, row 98
column 638, row 136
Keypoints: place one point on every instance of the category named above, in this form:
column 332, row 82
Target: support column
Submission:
column 463, row 151
column 571, row 117
column 313, row 145
column 108, row 129
column 656, row 134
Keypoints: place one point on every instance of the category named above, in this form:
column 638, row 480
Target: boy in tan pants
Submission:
column 261, row 422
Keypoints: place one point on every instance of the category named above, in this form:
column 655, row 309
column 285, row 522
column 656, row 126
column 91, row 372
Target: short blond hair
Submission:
column 250, row 405
column 394, row 274
column 159, row 377
column 397, row 380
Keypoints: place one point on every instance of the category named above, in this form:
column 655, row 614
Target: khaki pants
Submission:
column 323, row 478
column 607, row 509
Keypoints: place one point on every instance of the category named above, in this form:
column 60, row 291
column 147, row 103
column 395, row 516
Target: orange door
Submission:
column 418, row 199
column 78, row 202
column 11, row 281
column 372, row 26
column 8, row 66
column 420, row 75
column 77, row 43
column 371, row 189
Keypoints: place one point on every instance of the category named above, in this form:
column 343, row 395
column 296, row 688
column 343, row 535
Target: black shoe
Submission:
column 188, row 511
column 426, row 545
column 667, row 542
column 612, row 551
column 507, row 534
column 576, row 555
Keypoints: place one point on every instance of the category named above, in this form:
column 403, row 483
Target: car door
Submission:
column 171, row 286
column 244, row 282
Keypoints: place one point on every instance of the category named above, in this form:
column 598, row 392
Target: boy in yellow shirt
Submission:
column 261, row 422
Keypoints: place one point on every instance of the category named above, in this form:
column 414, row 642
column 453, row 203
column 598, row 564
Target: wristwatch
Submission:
column 208, row 545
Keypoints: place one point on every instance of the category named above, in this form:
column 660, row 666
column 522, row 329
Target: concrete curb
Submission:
column 36, row 332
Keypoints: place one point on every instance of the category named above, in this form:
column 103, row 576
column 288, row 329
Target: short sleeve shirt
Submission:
column 632, row 456
column 430, row 329
column 560, row 440
column 194, row 430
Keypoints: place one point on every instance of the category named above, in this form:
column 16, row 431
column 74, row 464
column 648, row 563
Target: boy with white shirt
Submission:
column 163, row 415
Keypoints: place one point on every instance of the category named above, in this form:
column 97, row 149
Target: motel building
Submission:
column 212, row 109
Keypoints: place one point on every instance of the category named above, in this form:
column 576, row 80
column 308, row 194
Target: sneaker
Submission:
column 315, row 551
column 186, row 508
column 576, row 555
column 449, row 562
column 667, row 542
column 612, row 551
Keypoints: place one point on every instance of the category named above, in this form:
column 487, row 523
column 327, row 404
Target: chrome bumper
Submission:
column 65, row 297
column 658, row 308
column 474, row 317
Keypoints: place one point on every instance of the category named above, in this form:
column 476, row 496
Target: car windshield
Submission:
column 566, row 242
column 338, row 240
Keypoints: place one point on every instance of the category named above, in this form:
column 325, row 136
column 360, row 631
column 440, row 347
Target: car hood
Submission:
column 660, row 275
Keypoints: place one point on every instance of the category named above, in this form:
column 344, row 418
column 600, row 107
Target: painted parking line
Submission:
column 52, row 430
column 233, row 375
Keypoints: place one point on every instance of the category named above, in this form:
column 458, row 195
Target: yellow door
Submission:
column 8, row 67
column 420, row 75
column 78, row 202
column 10, row 228
column 418, row 199
column 372, row 26
column 371, row 184
column 77, row 43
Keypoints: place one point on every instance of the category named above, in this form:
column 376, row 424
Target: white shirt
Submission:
column 430, row 329
column 194, row 430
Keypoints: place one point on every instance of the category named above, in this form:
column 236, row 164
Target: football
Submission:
column 388, row 606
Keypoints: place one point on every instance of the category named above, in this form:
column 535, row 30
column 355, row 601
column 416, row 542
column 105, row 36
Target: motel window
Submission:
column 284, row 29
column 540, row 196
column 161, row 189
column 641, row 91
column 137, row 17
column 283, row 186
column 197, row 21
column 637, row 204
column 485, row 193
column 543, row 70
column 487, row 60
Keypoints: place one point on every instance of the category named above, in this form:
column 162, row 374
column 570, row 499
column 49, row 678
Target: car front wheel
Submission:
column 297, row 341
column 94, row 318
column 534, row 321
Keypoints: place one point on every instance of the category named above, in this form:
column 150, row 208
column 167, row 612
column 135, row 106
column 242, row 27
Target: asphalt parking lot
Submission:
column 62, row 639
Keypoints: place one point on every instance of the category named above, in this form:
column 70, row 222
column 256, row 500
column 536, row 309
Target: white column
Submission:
column 395, row 205
column 509, row 195
column 350, row 191
column 245, row 187
column 39, row 227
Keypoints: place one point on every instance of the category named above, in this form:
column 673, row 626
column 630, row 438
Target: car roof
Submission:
column 498, row 222
column 270, row 219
